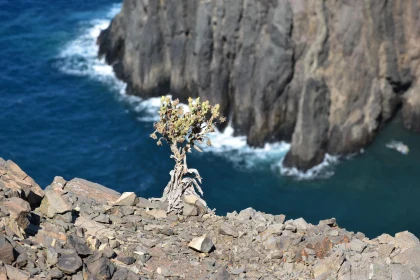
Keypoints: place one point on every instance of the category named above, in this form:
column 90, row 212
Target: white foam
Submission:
column 321, row 171
column 79, row 58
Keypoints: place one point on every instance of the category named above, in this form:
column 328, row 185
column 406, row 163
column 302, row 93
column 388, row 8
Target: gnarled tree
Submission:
column 183, row 130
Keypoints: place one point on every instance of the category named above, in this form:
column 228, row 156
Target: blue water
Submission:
column 63, row 113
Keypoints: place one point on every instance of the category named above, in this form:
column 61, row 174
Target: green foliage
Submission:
column 185, row 130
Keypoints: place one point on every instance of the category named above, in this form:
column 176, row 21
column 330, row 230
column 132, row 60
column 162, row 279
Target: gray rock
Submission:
column 79, row 244
column 16, row 274
column 18, row 210
column 226, row 229
column 144, row 203
column 202, row 244
column 126, row 199
column 126, row 210
column 357, row 245
column 69, row 262
column 279, row 218
column 101, row 268
column 126, row 259
column 54, row 203
column 52, row 256
column 102, row 218
column 246, row 214
column 55, row 273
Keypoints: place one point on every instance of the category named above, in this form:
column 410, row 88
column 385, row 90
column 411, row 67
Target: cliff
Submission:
column 325, row 75
column 81, row 230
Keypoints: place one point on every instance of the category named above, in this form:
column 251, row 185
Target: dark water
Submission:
column 62, row 113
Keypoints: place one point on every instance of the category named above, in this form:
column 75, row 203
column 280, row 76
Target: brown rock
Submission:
column 91, row 190
column 19, row 210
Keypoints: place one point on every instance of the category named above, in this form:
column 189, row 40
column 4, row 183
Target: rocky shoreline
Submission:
column 81, row 230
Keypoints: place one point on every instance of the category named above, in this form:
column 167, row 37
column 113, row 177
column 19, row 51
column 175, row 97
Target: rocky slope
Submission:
column 80, row 230
column 324, row 74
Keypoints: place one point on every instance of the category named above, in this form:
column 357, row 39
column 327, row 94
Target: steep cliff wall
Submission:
column 324, row 74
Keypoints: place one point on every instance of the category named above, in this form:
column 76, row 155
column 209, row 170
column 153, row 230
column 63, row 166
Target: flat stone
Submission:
column 126, row 199
column 69, row 262
column 85, row 189
column 202, row 244
column 148, row 242
column 226, row 229
column 126, row 259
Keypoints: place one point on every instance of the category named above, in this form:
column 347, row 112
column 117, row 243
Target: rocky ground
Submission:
column 81, row 230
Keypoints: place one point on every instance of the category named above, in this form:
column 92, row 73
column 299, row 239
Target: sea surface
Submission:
column 62, row 112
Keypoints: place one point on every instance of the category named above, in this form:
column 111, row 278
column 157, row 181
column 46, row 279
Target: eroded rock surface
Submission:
column 324, row 74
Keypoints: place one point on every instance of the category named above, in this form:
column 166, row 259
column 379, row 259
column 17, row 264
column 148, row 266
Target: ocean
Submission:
column 63, row 113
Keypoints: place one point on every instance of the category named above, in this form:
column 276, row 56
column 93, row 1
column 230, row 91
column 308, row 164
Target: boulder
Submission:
column 357, row 245
column 79, row 244
column 201, row 244
column 189, row 210
column 190, row 199
column 19, row 210
column 89, row 190
column 69, row 262
column 126, row 199
column 7, row 252
column 101, row 268
column 16, row 274
column 54, row 203
column 144, row 203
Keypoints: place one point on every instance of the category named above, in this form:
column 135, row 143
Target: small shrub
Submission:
column 183, row 130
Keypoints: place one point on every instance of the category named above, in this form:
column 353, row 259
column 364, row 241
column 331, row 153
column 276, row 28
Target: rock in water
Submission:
column 202, row 244
column 126, row 199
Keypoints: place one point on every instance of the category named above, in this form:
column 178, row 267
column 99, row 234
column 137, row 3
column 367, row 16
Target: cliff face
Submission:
column 325, row 75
